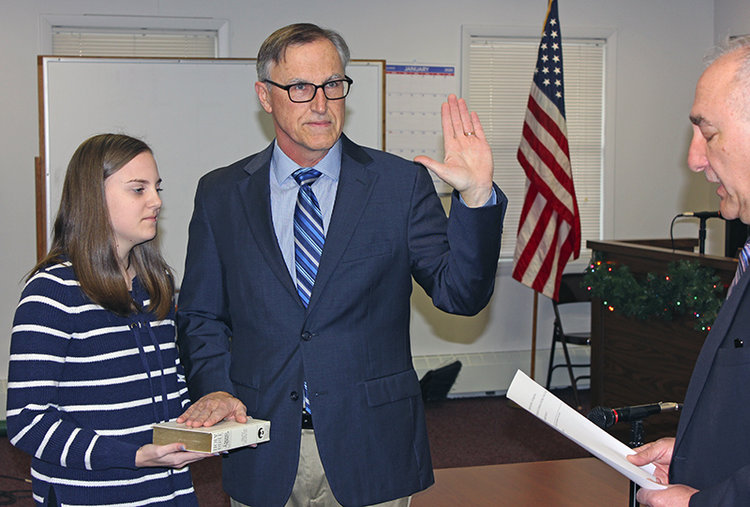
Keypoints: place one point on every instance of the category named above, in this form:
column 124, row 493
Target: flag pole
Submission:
column 533, row 334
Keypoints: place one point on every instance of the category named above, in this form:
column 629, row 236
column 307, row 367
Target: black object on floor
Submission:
column 435, row 384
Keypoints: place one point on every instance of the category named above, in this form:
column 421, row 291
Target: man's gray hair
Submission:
column 739, row 47
column 274, row 47
column 730, row 45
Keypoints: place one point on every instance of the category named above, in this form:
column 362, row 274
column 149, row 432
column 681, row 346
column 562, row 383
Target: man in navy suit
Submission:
column 329, row 365
column 708, row 463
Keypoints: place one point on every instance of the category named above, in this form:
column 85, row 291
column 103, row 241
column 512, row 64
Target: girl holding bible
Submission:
column 93, row 361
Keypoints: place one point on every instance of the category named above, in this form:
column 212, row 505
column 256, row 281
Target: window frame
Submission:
column 469, row 32
column 49, row 22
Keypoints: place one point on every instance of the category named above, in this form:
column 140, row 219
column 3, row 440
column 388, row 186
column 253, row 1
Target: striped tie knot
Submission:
column 741, row 266
column 744, row 257
column 305, row 176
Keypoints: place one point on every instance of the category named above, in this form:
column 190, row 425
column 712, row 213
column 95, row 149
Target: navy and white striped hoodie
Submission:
column 84, row 387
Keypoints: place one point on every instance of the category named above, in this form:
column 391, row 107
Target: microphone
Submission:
column 701, row 214
column 605, row 417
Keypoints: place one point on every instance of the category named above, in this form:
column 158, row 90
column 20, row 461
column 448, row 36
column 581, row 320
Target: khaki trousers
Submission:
column 311, row 487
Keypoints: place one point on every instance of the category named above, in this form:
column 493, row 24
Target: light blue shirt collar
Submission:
column 282, row 166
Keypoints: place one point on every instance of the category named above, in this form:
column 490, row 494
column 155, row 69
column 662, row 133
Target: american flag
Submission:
column 549, row 230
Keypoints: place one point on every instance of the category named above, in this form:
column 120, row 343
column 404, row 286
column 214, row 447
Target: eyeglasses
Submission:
column 335, row 89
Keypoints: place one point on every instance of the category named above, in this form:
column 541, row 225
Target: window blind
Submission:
column 77, row 41
column 499, row 78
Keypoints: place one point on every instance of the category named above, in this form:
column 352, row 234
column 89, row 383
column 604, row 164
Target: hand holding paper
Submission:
column 553, row 411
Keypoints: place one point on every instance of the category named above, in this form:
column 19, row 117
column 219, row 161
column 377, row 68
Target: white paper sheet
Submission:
column 568, row 421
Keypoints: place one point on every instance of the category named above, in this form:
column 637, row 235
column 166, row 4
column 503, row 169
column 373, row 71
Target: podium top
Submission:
column 654, row 255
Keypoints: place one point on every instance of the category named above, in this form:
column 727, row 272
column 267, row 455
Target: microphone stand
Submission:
column 636, row 440
column 702, row 235
column 604, row 418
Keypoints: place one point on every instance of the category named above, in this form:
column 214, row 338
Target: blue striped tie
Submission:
column 308, row 242
column 308, row 233
column 741, row 266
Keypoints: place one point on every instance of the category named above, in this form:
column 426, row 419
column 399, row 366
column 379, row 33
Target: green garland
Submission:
column 686, row 288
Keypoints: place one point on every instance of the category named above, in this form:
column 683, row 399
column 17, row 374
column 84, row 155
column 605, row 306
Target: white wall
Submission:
column 658, row 50
column 731, row 17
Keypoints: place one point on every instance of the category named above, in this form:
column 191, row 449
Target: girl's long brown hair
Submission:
column 83, row 233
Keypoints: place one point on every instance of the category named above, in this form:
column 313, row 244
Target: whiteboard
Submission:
column 196, row 114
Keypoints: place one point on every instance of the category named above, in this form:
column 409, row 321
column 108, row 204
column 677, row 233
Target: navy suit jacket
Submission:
column 243, row 328
column 712, row 447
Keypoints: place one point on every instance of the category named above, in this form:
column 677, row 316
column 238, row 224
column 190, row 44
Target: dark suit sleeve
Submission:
column 204, row 327
column 733, row 491
column 456, row 264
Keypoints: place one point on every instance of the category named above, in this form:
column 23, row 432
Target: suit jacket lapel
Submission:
column 707, row 355
column 255, row 196
column 354, row 189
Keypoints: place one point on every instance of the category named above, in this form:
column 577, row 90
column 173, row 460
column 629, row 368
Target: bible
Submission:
column 222, row 436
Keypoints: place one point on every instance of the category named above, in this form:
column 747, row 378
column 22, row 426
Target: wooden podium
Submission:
column 633, row 361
